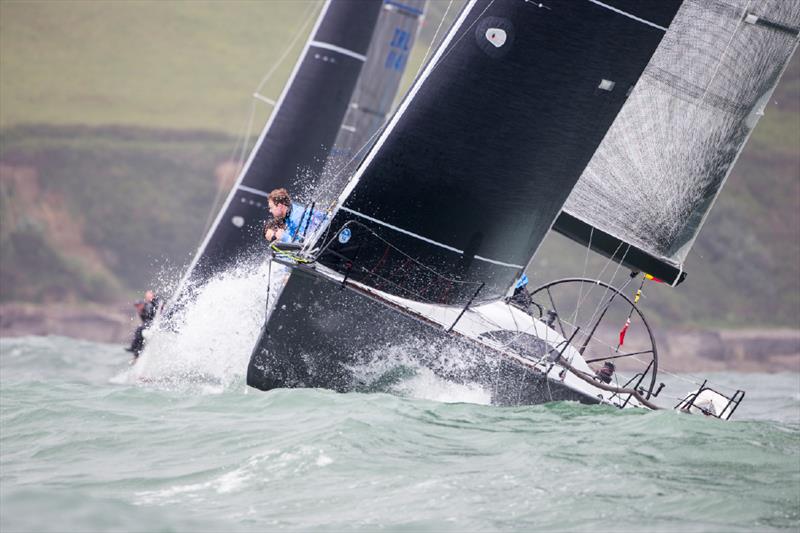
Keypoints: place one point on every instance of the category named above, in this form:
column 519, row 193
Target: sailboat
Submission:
column 334, row 99
column 519, row 118
column 338, row 95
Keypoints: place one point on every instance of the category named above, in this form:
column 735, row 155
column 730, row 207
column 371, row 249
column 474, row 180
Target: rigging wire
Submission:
column 583, row 275
column 433, row 40
column 601, row 300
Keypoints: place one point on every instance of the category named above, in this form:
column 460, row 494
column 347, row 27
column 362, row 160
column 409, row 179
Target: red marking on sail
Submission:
column 623, row 331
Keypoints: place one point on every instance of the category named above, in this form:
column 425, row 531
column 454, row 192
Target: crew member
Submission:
column 606, row 373
column 291, row 222
column 147, row 310
column 521, row 296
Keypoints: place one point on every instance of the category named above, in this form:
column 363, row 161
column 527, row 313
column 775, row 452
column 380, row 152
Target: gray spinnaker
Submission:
column 646, row 192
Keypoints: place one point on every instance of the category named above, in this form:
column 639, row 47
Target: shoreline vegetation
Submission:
column 681, row 349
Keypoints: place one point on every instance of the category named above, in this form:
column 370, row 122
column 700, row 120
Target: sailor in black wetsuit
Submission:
column 147, row 309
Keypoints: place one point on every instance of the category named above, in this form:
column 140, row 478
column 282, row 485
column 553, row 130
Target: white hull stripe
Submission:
column 626, row 14
column 334, row 48
column 252, row 190
column 430, row 241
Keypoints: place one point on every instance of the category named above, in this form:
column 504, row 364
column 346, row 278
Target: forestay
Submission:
column 647, row 190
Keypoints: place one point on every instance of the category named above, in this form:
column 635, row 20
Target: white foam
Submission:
column 400, row 369
column 213, row 335
column 425, row 385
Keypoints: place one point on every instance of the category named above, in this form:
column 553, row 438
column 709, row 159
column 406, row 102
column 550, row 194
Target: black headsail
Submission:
column 293, row 146
column 474, row 167
column 649, row 187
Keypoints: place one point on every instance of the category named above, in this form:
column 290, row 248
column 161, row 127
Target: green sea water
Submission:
column 82, row 449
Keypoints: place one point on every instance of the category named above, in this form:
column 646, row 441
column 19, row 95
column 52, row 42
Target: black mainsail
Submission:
column 475, row 166
column 646, row 192
column 294, row 144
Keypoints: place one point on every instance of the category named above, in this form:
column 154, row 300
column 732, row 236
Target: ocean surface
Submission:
column 86, row 444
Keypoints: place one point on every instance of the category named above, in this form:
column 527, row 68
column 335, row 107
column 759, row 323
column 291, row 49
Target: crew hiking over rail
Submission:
column 147, row 310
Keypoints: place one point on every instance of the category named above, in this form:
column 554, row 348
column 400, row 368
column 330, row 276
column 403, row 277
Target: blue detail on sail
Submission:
column 398, row 53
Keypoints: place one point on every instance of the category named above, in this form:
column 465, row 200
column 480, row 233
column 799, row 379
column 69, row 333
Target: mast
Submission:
column 295, row 141
column 646, row 193
column 473, row 169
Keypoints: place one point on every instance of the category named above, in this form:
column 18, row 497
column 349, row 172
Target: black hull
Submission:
column 321, row 332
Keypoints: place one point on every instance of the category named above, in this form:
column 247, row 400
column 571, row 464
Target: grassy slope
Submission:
column 193, row 65
column 148, row 63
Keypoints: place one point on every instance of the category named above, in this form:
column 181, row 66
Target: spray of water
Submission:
column 423, row 369
column 208, row 343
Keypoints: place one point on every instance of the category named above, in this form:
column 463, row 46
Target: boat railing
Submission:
column 711, row 402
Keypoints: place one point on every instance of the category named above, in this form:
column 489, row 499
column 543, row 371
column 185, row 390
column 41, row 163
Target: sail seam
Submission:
column 629, row 15
column 334, row 48
column 429, row 241
column 254, row 191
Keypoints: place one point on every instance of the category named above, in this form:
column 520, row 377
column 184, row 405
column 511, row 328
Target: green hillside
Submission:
column 139, row 199
column 156, row 64
column 170, row 64
column 117, row 118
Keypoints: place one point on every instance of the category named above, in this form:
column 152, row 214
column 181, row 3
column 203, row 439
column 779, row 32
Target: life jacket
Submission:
column 300, row 222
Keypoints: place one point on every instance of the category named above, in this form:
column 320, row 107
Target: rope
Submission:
column 583, row 275
column 436, row 34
